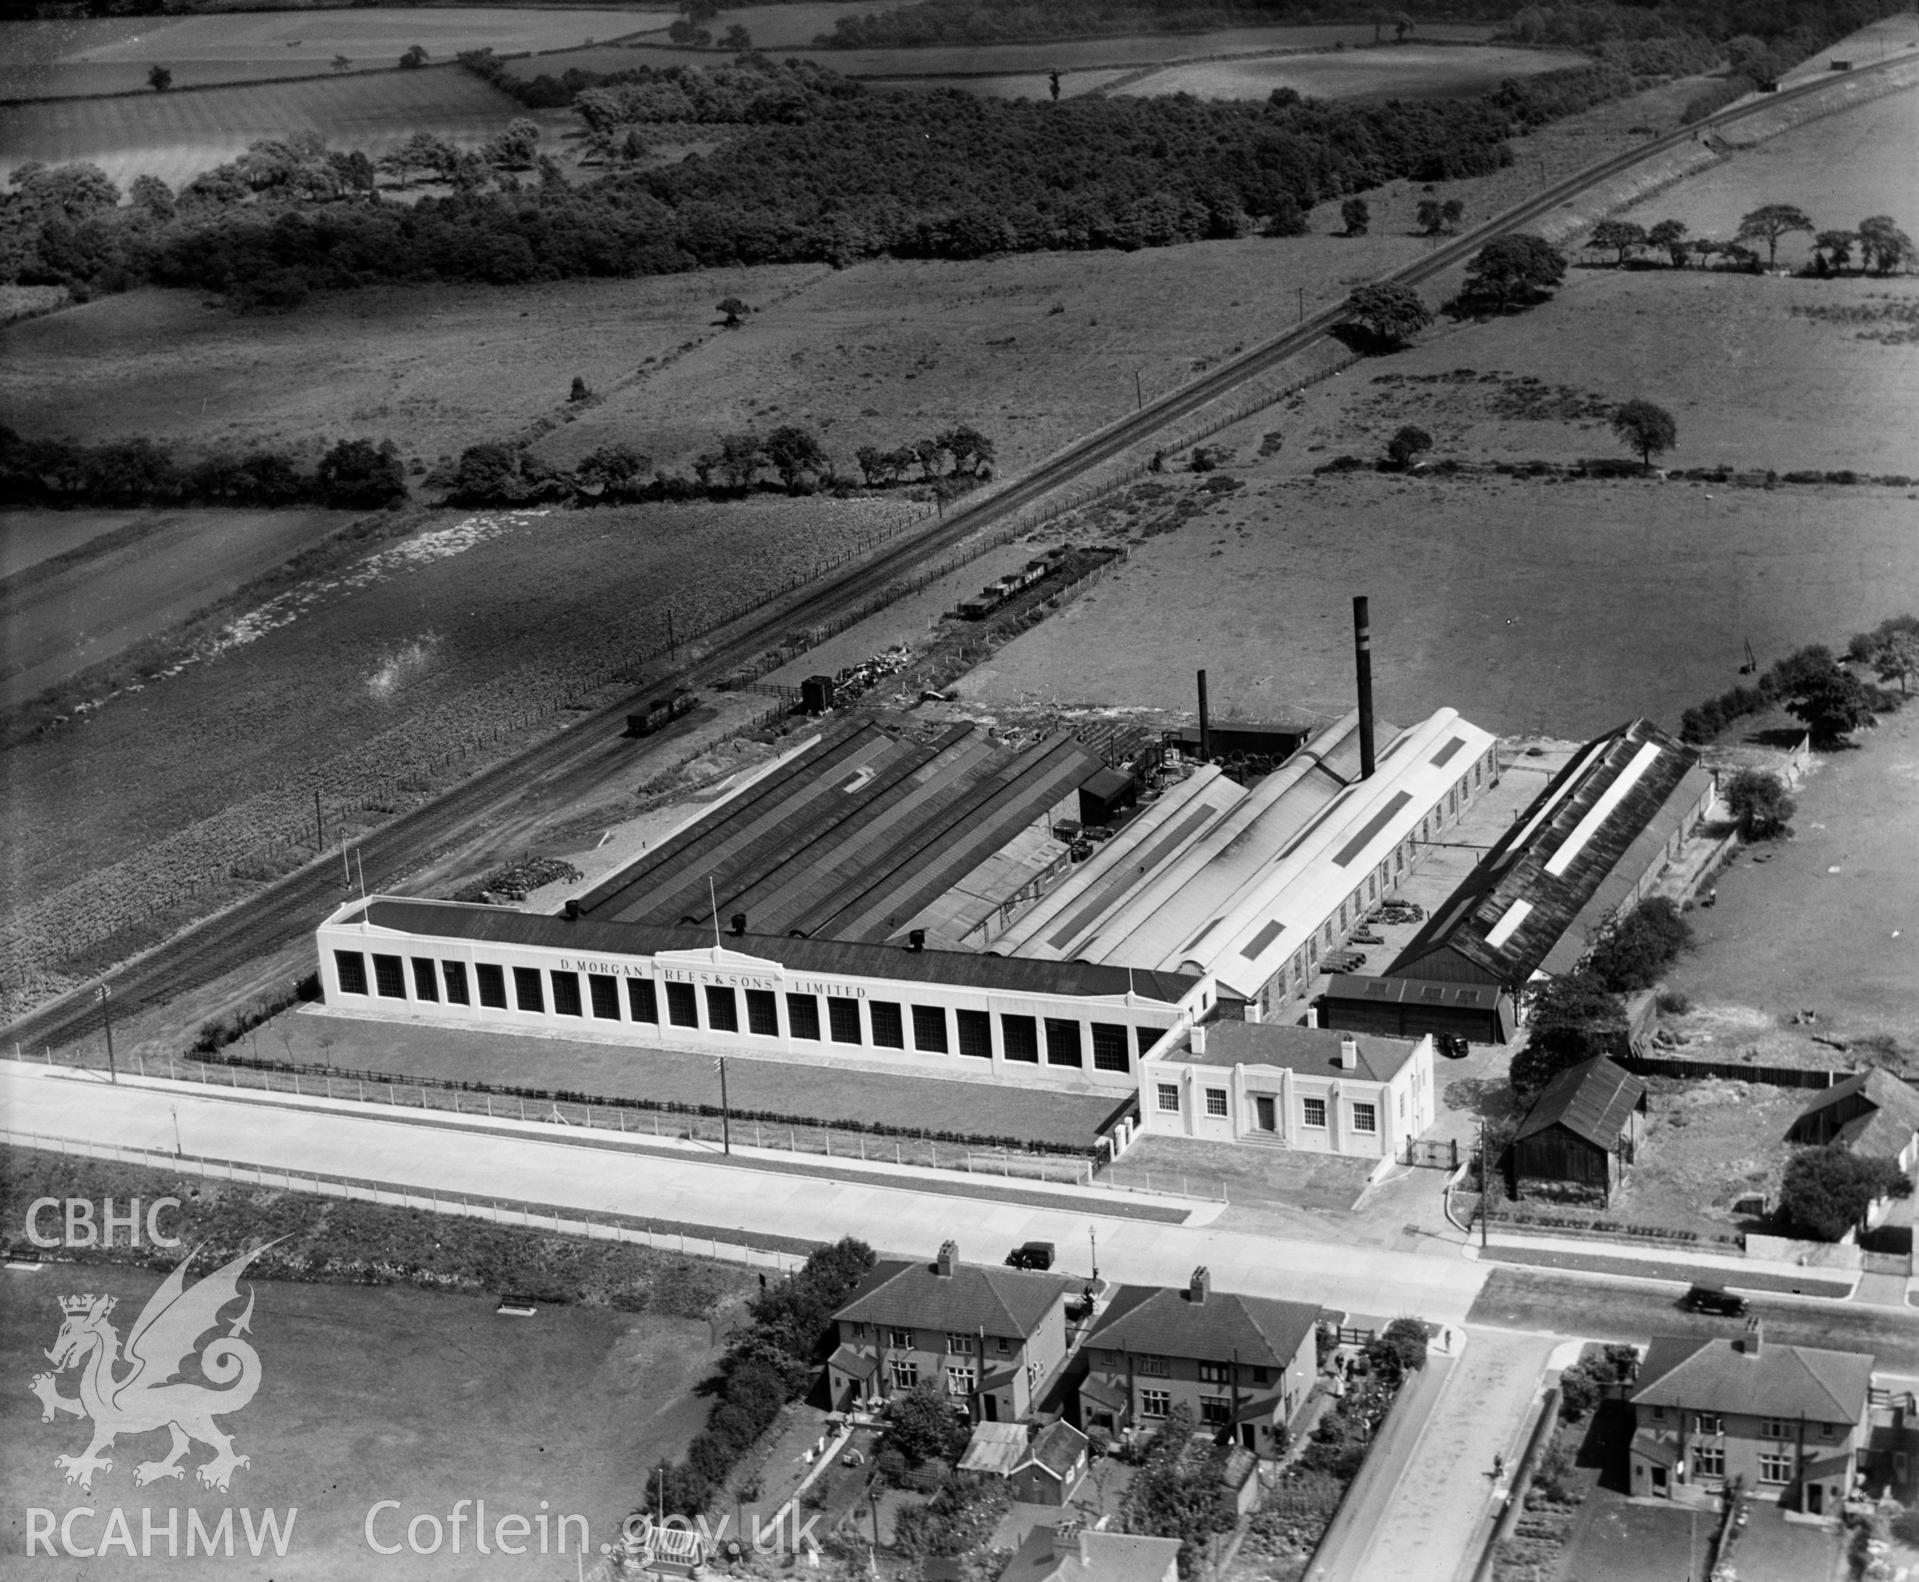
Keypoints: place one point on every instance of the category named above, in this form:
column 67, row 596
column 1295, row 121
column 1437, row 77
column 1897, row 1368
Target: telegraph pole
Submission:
column 726, row 1117
column 1139, row 393
column 1485, row 1187
column 104, row 994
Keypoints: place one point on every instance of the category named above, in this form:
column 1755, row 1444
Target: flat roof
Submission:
column 588, row 936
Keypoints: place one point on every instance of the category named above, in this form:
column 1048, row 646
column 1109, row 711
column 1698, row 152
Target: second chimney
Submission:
column 738, row 923
column 1755, row 1335
column 1363, row 661
column 1201, row 1284
column 1349, row 1054
column 948, row 1259
column 1198, row 1039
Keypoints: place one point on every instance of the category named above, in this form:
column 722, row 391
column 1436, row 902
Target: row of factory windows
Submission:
column 968, row 1033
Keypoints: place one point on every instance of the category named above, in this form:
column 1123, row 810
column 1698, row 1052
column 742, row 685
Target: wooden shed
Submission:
column 1580, row 1133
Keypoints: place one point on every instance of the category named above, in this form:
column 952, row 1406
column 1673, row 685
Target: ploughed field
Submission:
column 1412, row 71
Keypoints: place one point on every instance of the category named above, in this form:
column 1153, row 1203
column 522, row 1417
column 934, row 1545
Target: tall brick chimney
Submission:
column 1202, row 1283
column 948, row 1259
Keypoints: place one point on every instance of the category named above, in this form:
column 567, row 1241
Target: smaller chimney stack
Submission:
column 572, row 908
column 1201, row 1285
column 1199, row 1039
column 948, row 1259
column 1755, row 1335
column 737, row 923
column 1363, row 661
column 916, row 939
column 1349, row 1054
column 1205, row 724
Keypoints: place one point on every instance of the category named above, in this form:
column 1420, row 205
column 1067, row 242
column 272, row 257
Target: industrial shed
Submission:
column 1480, row 1013
column 1592, row 844
column 1580, row 1133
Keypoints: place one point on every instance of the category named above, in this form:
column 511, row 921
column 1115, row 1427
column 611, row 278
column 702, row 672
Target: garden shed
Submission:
column 1872, row 1113
column 1580, row 1134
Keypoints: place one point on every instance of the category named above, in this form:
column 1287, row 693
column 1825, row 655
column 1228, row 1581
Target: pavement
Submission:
column 891, row 1214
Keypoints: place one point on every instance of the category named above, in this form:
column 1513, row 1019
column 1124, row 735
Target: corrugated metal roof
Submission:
column 974, row 1297
column 1168, row 1323
column 1593, row 1100
column 493, row 925
column 1569, row 861
column 1781, row 1380
column 995, row 1448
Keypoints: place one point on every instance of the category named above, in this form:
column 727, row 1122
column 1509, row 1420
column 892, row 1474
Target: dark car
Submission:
column 1032, row 1255
column 1713, row 1299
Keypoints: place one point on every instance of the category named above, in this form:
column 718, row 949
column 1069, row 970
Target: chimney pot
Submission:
column 948, row 1259
column 1349, row 1054
column 1201, row 1284
column 1755, row 1336
column 572, row 908
column 1199, row 1039
column 916, row 939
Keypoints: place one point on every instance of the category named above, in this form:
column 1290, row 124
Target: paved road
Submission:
column 1373, row 1282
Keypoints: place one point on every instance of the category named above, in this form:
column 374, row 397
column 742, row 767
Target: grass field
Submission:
column 1411, row 71
column 138, row 573
column 372, row 1394
column 112, row 55
column 175, row 136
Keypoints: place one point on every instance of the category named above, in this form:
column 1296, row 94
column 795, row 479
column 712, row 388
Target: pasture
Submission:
column 371, row 1394
column 175, row 136
column 134, row 575
column 73, row 56
column 1414, row 71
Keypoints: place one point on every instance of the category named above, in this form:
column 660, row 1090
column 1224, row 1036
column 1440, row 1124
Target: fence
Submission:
column 501, row 1211
column 1730, row 1070
column 1440, row 1154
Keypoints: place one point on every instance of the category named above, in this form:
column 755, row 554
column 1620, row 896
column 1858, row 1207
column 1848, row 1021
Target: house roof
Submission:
column 1887, row 1127
column 1778, row 1380
column 1661, row 1449
column 1261, row 1331
column 1057, row 1449
column 1311, row 1051
column 974, row 1297
column 852, row 1361
column 996, row 1448
column 1534, row 900
column 1593, row 1100
column 1050, row 1555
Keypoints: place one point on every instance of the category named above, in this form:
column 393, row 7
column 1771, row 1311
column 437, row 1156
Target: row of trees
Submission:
column 353, row 474
column 1509, row 272
column 1883, row 247
column 1811, row 685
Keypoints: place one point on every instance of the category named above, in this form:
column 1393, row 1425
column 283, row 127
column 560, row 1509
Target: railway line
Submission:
column 291, row 906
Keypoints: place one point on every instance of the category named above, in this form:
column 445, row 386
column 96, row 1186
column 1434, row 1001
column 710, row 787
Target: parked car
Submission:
column 1714, row 1299
column 1031, row 1255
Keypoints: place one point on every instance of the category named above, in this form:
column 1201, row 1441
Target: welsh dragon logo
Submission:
column 152, row 1395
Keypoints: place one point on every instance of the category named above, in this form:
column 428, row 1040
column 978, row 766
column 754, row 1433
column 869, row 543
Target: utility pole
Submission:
column 319, row 823
column 177, row 1150
column 104, row 994
column 1092, row 1235
column 1302, row 303
column 1485, row 1186
column 1139, row 393
column 726, row 1116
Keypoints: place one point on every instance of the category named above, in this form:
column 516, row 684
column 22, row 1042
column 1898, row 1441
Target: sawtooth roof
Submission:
column 1163, row 1322
column 1778, row 1381
column 974, row 1297
column 1533, row 901
column 1593, row 1100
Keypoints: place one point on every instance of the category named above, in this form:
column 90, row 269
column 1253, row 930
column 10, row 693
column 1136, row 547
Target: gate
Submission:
column 1438, row 1154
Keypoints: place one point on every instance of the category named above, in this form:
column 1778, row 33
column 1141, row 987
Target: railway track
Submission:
column 292, row 906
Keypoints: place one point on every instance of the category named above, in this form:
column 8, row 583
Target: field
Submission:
column 139, row 573
column 1413, row 71
column 175, row 136
column 372, row 1394
column 112, row 55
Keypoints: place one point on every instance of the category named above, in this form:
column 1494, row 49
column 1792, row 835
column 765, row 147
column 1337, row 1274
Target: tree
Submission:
column 872, row 463
column 359, row 475
column 1402, row 25
column 793, row 452
column 734, row 309
column 159, row 79
column 1833, row 249
column 414, row 58
column 341, row 63
column 969, row 448
column 1636, row 948
column 517, row 146
column 1355, row 214
column 1409, row 442
column 921, row 1425
column 1897, row 659
column 1574, row 1017
column 1769, row 223
column 1618, row 237
column 1817, row 689
column 1883, row 245
column 740, row 458
column 1430, row 216
column 152, row 197
column 1389, row 313
column 1671, row 235
column 1451, row 212
column 1827, row 1191
column 1648, row 429
column 1398, row 1349
column 737, row 39
column 1515, row 269
column 1759, row 805
column 423, row 153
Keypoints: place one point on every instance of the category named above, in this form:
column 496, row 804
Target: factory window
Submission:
column 389, row 978
column 1019, row 1038
column 722, row 1009
column 975, row 1034
column 1365, row 1117
column 1109, row 1048
column 762, row 1013
column 528, row 992
column 1216, row 1102
column 1342, row 921
column 843, row 1018
column 605, row 992
column 1169, row 1097
column 454, row 972
column 929, row 1029
column 566, row 994
column 1479, row 770
column 1329, row 930
column 426, row 982
column 682, row 1006
column 492, row 980
column 803, row 1016
column 1148, row 1036
column 1315, row 1112
column 1062, row 1042
column 889, row 1026
column 1372, row 886
column 1452, row 802
column 643, row 1000
column 351, row 966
